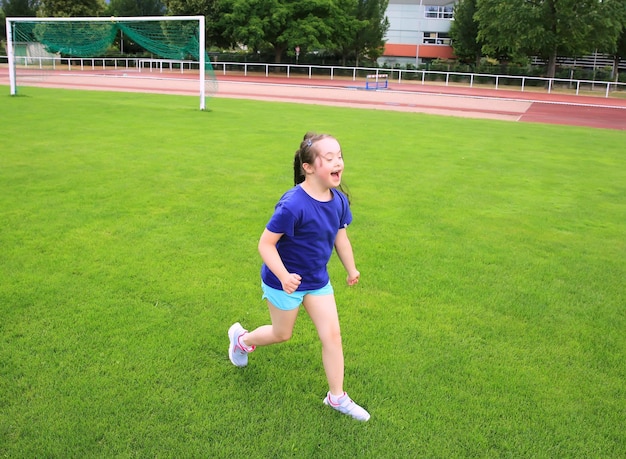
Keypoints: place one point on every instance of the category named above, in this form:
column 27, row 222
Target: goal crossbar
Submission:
column 202, row 56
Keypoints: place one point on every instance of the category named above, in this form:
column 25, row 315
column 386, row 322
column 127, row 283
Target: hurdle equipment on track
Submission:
column 378, row 81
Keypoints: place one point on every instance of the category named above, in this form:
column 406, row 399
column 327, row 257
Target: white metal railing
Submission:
column 72, row 63
column 594, row 60
column 423, row 77
column 512, row 82
column 162, row 65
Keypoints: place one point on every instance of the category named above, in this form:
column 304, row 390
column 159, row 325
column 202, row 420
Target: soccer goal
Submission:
column 35, row 43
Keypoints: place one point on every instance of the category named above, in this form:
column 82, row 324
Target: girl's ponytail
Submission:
column 298, row 173
column 303, row 151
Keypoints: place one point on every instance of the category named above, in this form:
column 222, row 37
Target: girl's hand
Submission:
column 353, row 278
column 291, row 282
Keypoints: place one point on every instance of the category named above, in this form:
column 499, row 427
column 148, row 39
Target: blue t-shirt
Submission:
column 309, row 229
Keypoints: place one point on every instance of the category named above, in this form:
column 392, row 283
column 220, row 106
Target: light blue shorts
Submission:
column 288, row 301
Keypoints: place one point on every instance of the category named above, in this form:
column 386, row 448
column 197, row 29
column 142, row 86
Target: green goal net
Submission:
column 45, row 42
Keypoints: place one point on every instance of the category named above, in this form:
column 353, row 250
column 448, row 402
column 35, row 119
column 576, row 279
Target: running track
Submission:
column 533, row 107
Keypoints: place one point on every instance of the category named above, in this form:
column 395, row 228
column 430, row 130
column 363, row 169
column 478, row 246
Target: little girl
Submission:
column 309, row 220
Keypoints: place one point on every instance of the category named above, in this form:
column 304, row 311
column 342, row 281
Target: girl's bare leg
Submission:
column 323, row 312
column 280, row 330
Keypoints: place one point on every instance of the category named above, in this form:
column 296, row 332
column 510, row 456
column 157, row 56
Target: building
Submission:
column 418, row 31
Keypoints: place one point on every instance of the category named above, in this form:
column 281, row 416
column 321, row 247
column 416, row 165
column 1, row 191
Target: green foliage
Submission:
column 70, row 8
column 189, row 7
column 120, row 8
column 348, row 26
column 277, row 25
column 621, row 44
column 512, row 28
column 501, row 38
column 464, row 32
column 611, row 24
column 19, row 8
column 369, row 36
column 489, row 320
column 354, row 29
column 211, row 9
column 3, row 32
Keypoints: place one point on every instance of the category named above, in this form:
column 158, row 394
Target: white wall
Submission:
column 407, row 22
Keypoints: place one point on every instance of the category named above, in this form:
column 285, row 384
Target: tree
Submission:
column 613, row 44
column 19, row 8
column 464, row 32
column 71, row 8
column 210, row 9
column 546, row 28
column 122, row 8
column 368, row 41
column 15, row 8
column 351, row 28
column 3, row 32
column 277, row 25
column 499, row 40
column 619, row 53
column 346, row 27
column 359, row 27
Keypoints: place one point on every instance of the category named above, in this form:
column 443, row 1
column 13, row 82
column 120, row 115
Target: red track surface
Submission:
column 537, row 107
column 597, row 112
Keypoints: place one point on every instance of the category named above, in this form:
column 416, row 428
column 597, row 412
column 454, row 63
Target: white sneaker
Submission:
column 237, row 352
column 347, row 406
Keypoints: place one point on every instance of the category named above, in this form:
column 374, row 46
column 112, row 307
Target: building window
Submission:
column 439, row 12
column 436, row 38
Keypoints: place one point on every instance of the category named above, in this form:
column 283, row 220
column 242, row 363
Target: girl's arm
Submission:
column 271, row 258
column 344, row 251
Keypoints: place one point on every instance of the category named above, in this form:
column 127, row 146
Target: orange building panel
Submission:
column 425, row 51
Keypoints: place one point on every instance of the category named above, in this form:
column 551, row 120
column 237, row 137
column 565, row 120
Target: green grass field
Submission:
column 489, row 321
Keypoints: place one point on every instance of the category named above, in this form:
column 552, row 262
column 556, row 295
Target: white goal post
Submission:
column 12, row 22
